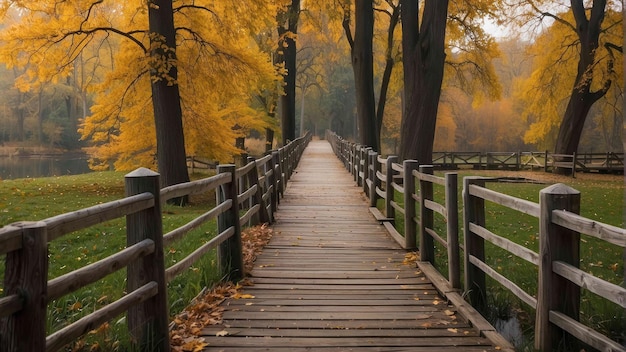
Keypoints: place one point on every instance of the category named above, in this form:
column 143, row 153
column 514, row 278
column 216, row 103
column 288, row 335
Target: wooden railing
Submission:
column 586, row 162
column 253, row 190
column 560, row 280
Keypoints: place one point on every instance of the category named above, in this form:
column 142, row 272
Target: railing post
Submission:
column 253, row 179
column 427, row 245
column 26, row 274
column 147, row 321
column 357, row 165
column 353, row 160
column 390, row 212
column 474, row 212
column 365, row 167
column 277, row 185
column 410, row 227
column 375, row 182
column 452, row 209
column 281, row 169
column 230, row 252
column 556, row 243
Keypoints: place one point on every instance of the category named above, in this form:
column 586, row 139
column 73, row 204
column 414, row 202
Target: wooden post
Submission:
column 280, row 169
column 356, row 162
column 26, row 274
column 474, row 212
column 230, row 252
column 574, row 160
column 275, row 179
column 390, row 212
column 545, row 162
column 147, row 321
column 410, row 227
column 253, row 179
column 556, row 243
column 357, row 175
column 374, row 169
column 427, row 245
column 366, row 168
column 452, row 208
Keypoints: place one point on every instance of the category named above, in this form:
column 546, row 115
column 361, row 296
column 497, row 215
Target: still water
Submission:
column 31, row 167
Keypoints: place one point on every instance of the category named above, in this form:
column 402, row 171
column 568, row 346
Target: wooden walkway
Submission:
column 331, row 279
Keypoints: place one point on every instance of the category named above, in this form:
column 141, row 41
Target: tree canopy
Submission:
column 219, row 69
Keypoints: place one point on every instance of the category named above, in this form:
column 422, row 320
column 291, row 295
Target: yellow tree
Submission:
column 172, row 68
column 573, row 69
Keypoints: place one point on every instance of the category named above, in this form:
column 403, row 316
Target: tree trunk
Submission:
column 166, row 96
column 389, row 63
column 269, row 139
column 363, row 66
column 582, row 98
column 424, row 55
column 287, row 27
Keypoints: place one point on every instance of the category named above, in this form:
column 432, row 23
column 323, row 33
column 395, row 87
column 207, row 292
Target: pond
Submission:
column 31, row 167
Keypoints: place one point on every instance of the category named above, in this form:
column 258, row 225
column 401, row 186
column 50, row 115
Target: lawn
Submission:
column 37, row 199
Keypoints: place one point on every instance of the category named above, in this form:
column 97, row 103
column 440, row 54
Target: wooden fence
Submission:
column 253, row 189
column 585, row 162
column 560, row 280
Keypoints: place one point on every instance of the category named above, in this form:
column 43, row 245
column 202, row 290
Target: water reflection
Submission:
column 23, row 167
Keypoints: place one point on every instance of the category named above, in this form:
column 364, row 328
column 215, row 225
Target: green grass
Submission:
column 602, row 200
column 37, row 199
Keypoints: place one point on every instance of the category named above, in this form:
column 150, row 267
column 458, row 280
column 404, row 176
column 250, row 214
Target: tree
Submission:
column 287, row 55
column 423, row 49
column 575, row 69
column 168, row 115
column 199, row 74
column 424, row 46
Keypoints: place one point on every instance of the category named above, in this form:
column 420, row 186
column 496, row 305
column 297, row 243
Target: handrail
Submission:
column 560, row 227
column 255, row 188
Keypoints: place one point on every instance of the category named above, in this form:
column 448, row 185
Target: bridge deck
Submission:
column 331, row 278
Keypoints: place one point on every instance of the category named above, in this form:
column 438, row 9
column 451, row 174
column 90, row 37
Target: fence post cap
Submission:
column 141, row 172
column 559, row 188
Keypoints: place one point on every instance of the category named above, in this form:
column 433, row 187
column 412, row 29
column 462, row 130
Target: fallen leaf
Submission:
column 221, row 333
column 448, row 312
column 453, row 330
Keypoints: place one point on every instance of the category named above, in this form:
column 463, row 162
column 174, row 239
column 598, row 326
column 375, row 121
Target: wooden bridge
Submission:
column 333, row 279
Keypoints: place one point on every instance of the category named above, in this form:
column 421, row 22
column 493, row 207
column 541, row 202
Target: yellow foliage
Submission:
column 220, row 69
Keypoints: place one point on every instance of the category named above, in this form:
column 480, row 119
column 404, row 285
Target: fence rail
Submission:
column 255, row 189
column 585, row 162
column 560, row 280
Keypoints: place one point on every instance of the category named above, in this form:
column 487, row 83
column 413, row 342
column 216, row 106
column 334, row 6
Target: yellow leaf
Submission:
column 242, row 296
column 76, row 306
column 448, row 312
column 453, row 330
column 221, row 333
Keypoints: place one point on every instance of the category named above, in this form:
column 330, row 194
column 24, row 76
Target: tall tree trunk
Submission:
column 423, row 58
column 41, row 115
column 166, row 95
column 582, row 98
column 363, row 66
column 287, row 28
column 389, row 63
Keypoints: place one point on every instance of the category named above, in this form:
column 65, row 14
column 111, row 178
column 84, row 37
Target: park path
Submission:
column 332, row 279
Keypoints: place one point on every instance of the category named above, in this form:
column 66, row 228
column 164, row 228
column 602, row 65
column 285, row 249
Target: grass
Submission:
column 36, row 199
column 602, row 198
